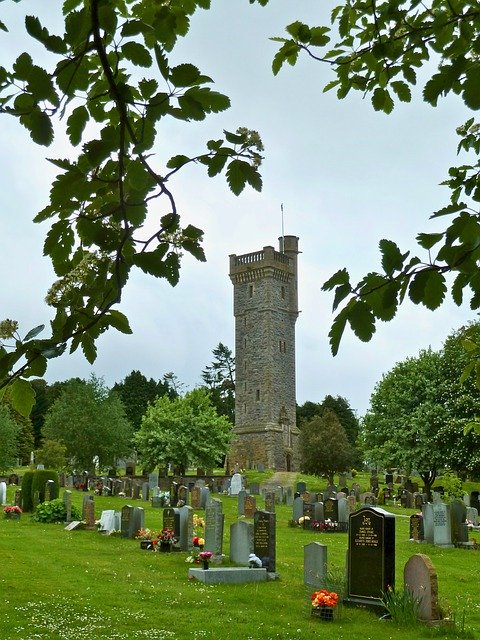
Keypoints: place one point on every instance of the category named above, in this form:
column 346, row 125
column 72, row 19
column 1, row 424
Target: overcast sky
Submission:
column 346, row 175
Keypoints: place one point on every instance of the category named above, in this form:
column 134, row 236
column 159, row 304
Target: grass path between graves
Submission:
column 79, row 585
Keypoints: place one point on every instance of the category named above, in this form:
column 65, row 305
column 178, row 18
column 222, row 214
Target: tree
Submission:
column 53, row 455
column 185, row 431
column 377, row 50
column 406, row 416
column 136, row 393
column 340, row 406
column 39, row 409
column 8, row 438
column 324, row 446
column 90, row 421
column 219, row 379
column 112, row 207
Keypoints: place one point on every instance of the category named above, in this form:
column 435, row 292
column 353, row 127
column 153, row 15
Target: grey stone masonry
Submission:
column 265, row 286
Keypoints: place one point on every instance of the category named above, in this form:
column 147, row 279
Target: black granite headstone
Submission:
column 264, row 545
column 371, row 556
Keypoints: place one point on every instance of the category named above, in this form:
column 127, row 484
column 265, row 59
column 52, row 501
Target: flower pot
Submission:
column 165, row 547
column 323, row 613
column 146, row 544
column 205, row 564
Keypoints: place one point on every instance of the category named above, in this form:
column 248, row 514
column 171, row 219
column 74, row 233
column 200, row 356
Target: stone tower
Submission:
column 266, row 309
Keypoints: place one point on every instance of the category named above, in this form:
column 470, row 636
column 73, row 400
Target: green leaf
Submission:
column 137, row 54
column 428, row 240
column 88, row 347
column 471, row 94
column 238, row 173
column 361, row 320
column 22, row 397
column 36, row 367
column 23, row 66
column 402, row 90
column 428, row 287
column 340, row 277
column 392, row 258
column 184, row 75
column 34, row 332
column 162, row 62
column 382, row 101
column 336, row 331
column 119, row 321
column 76, row 124
column 177, row 161
column 40, row 127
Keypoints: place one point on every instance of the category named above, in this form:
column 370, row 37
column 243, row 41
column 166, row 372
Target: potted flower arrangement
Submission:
column 146, row 538
column 324, row 603
column 12, row 512
column 166, row 539
column 205, row 557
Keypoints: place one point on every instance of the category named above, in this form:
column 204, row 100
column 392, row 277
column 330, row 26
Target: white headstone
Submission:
column 236, row 484
column 442, row 527
column 3, row 493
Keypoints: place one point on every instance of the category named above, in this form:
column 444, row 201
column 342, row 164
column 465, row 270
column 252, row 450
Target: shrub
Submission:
column 402, row 606
column 27, row 494
column 54, row 511
column 40, row 478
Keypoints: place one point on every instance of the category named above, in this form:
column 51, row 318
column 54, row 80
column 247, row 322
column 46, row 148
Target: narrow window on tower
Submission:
column 257, row 394
column 283, row 292
column 250, row 291
column 245, row 365
column 245, row 343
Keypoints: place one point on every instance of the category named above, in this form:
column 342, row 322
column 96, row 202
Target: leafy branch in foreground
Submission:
column 377, row 48
column 111, row 208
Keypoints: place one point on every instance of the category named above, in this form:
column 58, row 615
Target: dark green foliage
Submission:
column 54, row 511
column 103, row 208
column 37, row 415
column 136, row 393
column 340, row 406
column 27, row 494
column 52, row 455
column 376, row 49
column 40, row 477
column 219, row 379
column 324, row 446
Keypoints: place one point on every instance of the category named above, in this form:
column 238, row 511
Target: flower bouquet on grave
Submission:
column 329, row 526
column 12, row 512
column 165, row 540
column 205, row 557
column 324, row 603
column 146, row 538
column 304, row 522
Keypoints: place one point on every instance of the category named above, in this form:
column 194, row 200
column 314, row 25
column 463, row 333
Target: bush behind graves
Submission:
column 54, row 511
column 40, row 477
column 27, row 494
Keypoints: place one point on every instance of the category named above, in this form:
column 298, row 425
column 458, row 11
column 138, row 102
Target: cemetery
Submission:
column 240, row 563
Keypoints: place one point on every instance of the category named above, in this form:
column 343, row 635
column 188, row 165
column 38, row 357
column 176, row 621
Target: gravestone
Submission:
column 236, row 484
column 297, row 509
column 318, row 512
column 371, row 556
column 241, row 541
column 255, row 489
column 458, row 515
column 171, row 520
column 288, row 496
column 368, row 498
column 427, row 512
column 67, row 503
column 185, row 541
column 131, row 520
column 196, row 498
column 416, row 528
column 442, row 527
column 51, row 492
column 89, row 513
column 406, row 499
column 214, row 523
column 307, row 496
column 241, row 502
column 110, row 521
column 343, row 513
column 264, row 539
column 136, row 490
column 389, row 478
column 153, row 480
column 279, row 495
column 474, row 500
column 314, row 564
column 145, row 491
column 18, row 498
column 301, row 487
column 330, row 509
column 472, row 516
column 308, row 514
column 183, row 494
column 420, row 578
column 85, row 501
column 3, row 493
column 342, row 479
column 250, row 506
column 204, row 497
column 352, row 503
column 270, row 501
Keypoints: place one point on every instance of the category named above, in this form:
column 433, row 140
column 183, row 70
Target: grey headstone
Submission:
column 236, row 484
column 3, row 493
column 214, row 523
column 186, row 528
column 153, row 480
column 145, row 491
column 241, row 502
column 301, row 487
column 458, row 515
column 204, row 497
column 67, row 503
column 270, row 501
column 241, row 541
column 343, row 510
column 196, row 498
column 472, row 516
column 442, row 527
column 427, row 512
column 297, row 509
column 314, row 564
column 318, row 512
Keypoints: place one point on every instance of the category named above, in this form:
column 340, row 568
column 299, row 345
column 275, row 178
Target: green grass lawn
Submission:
column 76, row 585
